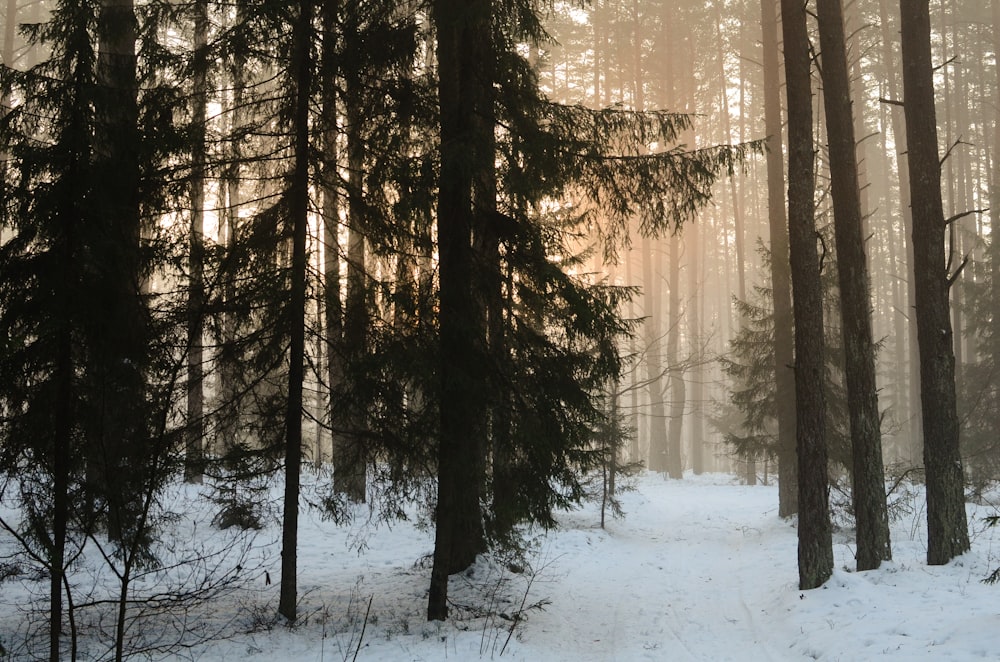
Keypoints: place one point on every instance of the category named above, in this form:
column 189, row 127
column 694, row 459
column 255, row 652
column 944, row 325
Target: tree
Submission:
column 301, row 70
column 868, row 478
column 194, row 450
column 463, row 26
column 947, row 530
column 89, row 372
column 780, row 278
column 814, row 531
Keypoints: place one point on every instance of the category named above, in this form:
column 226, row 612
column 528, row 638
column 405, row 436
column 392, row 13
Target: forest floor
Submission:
column 699, row 569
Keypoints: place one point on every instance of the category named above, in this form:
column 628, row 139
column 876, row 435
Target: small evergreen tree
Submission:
column 751, row 367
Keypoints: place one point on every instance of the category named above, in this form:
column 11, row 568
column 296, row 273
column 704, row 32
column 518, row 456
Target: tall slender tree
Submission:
column 301, row 67
column 196, row 247
column 867, row 474
column 947, row 528
column 814, row 531
column 780, row 277
column 460, row 24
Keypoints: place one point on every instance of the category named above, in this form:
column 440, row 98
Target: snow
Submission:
column 699, row 569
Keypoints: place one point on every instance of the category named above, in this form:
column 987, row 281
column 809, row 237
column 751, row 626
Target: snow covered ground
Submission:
column 699, row 569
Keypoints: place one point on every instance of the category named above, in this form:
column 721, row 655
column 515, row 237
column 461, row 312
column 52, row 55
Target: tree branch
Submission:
column 952, row 278
column 960, row 216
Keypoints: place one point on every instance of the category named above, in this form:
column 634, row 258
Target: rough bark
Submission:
column 947, row 530
column 867, row 474
column 780, row 277
column 814, row 531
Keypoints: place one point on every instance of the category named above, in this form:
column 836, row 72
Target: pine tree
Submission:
column 780, row 277
column 868, row 477
column 947, row 530
column 815, row 542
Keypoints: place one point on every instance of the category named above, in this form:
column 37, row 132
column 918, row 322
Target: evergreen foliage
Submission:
column 89, row 365
column 751, row 366
column 980, row 389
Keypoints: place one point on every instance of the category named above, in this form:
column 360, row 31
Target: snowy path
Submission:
column 681, row 578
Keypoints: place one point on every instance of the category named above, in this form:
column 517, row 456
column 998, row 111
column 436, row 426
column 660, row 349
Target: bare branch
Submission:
column 960, row 216
column 891, row 102
column 952, row 278
column 952, row 148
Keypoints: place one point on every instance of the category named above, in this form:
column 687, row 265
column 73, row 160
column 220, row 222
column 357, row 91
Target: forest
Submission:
column 471, row 266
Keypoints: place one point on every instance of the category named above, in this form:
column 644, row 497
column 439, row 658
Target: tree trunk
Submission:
column 947, row 532
column 118, row 338
column 194, row 453
column 814, row 532
column 349, row 467
column 298, row 210
column 459, row 529
column 912, row 396
column 657, row 417
column 780, row 277
column 695, row 280
column 675, row 462
column 855, row 296
column 332, row 308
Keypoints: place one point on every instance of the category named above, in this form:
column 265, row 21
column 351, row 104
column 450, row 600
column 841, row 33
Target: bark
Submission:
column 911, row 397
column 459, row 529
column 332, row 308
column 349, row 468
column 675, row 462
column 814, row 532
column 194, row 453
column 698, row 387
column 298, row 211
column 117, row 338
column 230, row 201
column 947, row 531
column 780, row 276
column 867, row 474
column 9, row 33
column 657, row 418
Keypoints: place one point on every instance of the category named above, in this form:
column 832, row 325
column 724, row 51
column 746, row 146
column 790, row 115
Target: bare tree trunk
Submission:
column 195, row 432
column 947, row 532
column 298, row 198
column 678, row 396
column 855, row 295
column 651, row 285
column 780, row 276
column 814, row 531
column 332, row 307
column 912, row 397
column 349, row 466
column 695, row 281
